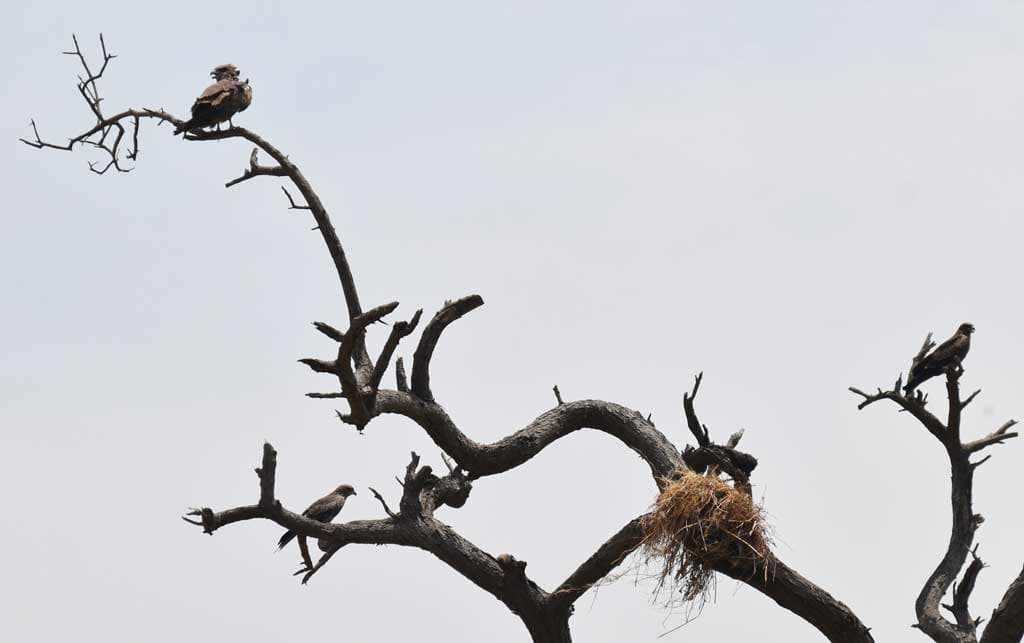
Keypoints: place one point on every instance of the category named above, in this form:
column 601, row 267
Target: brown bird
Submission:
column 949, row 354
column 323, row 510
column 220, row 101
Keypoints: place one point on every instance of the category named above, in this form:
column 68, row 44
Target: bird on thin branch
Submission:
column 323, row 510
column 220, row 101
column 949, row 355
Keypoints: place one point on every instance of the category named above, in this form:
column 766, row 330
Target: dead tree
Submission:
column 415, row 523
column 1007, row 622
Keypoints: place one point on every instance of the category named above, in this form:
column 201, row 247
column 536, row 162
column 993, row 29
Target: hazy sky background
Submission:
column 784, row 195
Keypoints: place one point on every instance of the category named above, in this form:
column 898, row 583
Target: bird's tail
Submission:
column 285, row 539
column 184, row 127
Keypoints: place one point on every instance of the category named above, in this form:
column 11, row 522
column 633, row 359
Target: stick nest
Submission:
column 698, row 521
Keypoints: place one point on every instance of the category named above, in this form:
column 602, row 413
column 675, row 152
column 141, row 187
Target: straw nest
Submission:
column 698, row 521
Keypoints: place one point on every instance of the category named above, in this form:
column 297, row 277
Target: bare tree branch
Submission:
column 1007, row 622
column 698, row 430
column 736, row 464
column 255, row 169
column 965, row 522
column 489, row 459
column 291, row 201
column 423, row 492
column 962, row 594
column 384, row 503
column 266, row 474
column 401, row 383
column 398, row 331
column 428, row 340
column 105, row 127
column 998, row 436
column 802, row 597
column 608, row 556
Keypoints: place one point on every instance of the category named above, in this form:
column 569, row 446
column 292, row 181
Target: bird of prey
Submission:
column 323, row 510
column 949, row 354
column 220, row 101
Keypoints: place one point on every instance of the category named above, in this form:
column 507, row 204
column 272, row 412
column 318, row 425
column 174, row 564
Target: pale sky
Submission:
column 784, row 195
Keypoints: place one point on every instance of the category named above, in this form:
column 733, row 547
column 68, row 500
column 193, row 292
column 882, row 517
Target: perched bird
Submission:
column 323, row 510
column 949, row 353
column 220, row 101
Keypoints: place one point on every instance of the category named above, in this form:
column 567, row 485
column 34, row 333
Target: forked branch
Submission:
column 965, row 523
column 414, row 524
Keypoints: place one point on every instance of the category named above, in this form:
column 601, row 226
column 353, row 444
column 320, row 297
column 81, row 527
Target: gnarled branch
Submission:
column 965, row 522
column 424, row 492
column 489, row 459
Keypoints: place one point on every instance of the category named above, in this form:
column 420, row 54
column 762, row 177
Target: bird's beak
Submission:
column 354, row 493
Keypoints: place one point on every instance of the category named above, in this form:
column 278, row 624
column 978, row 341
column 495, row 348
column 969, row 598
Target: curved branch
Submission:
column 316, row 207
column 103, row 127
column 428, row 340
column 607, row 557
column 782, row 584
column 698, row 430
column 504, row 577
column 1007, row 622
column 802, row 597
column 489, row 459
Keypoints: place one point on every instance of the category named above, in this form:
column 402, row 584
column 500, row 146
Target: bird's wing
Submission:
column 215, row 94
column 324, row 509
column 245, row 96
column 329, row 511
column 949, row 349
column 215, row 90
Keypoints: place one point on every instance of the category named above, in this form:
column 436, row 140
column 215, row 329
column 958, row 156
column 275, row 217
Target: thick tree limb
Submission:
column 419, row 530
column 780, row 583
column 1007, row 622
column 802, row 597
column 489, row 459
column 423, row 492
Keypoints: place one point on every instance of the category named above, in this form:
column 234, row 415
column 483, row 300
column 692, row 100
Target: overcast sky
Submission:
column 784, row 195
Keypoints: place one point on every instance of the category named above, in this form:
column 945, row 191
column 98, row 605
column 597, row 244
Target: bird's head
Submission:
column 220, row 72
column 345, row 491
column 965, row 329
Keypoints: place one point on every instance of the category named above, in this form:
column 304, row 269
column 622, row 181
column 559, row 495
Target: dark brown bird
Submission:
column 949, row 354
column 323, row 510
column 220, row 101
